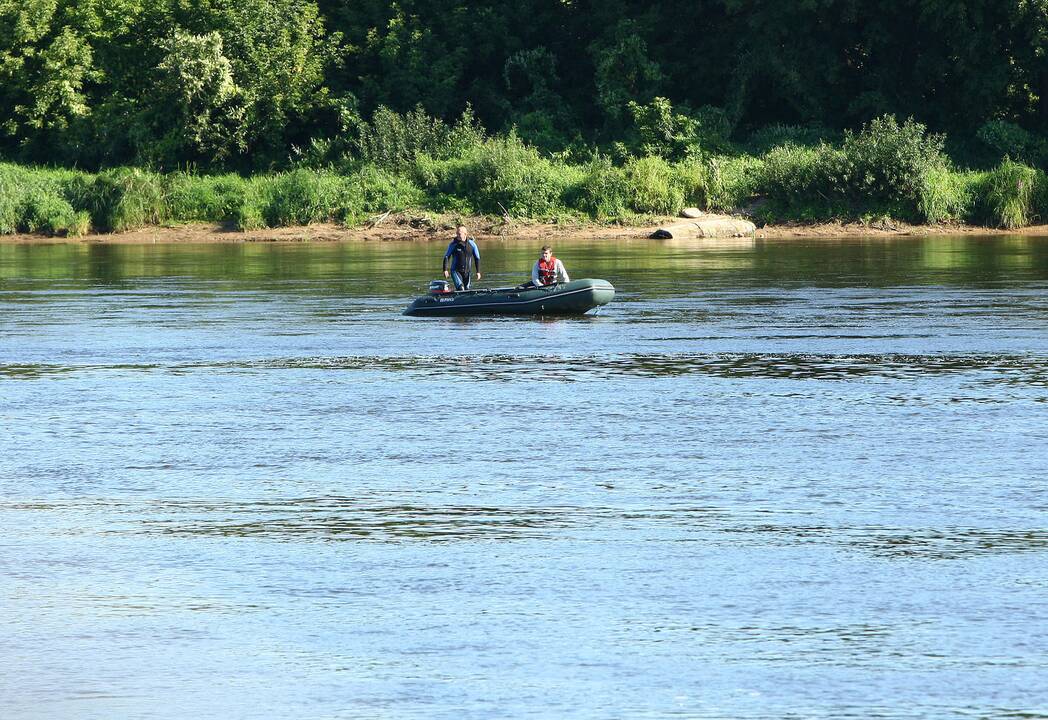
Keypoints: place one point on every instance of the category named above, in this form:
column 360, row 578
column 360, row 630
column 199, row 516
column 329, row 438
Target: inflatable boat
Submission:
column 570, row 298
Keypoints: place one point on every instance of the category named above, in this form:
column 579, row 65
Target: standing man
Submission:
column 548, row 270
column 461, row 253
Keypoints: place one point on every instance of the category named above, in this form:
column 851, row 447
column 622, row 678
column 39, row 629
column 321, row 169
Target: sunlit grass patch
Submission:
column 1013, row 193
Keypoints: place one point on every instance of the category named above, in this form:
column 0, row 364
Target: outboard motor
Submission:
column 439, row 287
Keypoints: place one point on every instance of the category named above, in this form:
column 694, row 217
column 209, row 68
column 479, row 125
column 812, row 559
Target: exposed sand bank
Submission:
column 406, row 230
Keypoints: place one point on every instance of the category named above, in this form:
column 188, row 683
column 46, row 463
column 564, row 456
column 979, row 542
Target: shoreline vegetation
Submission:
column 264, row 114
column 887, row 175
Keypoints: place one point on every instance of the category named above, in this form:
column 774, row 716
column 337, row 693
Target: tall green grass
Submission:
column 498, row 176
column 124, row 199
column 732, row 183
column 202, row 197
column 948, row 196
column 643, row 186
column 887, row 169
column 1015, row 195
column 35, row 201
column 602, row 191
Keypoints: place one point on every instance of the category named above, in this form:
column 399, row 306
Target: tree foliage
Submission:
column 254, row 84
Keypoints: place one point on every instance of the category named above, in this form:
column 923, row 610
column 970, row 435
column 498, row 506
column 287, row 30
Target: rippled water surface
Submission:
column 773, row 479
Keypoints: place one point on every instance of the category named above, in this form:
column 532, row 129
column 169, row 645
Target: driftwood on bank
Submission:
column 710, row 226
column 375, row 221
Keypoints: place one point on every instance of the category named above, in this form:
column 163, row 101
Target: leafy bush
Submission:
column 681, row 134
column 33, row 200
column 888, row 161
column 393, row 141
column 1008, row 140
column 663, row 132
column 794, row 175
column 377, row 190
column 885, row 168
column 250, row 213
column 12, row 183
column 691, row 176
column 301, row 197
column 45, row 210
column 773, row 136
column 505, row 173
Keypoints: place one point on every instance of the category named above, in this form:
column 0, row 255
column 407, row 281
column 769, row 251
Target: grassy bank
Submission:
column 886, row 171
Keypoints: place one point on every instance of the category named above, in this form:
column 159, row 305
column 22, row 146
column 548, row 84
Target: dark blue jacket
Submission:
column 462, row 256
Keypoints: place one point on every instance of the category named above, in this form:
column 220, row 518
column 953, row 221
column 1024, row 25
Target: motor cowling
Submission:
column 439, row 287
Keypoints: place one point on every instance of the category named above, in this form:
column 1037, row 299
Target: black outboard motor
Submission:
column 439, row 287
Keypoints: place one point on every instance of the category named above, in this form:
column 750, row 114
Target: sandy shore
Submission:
column 405, row 230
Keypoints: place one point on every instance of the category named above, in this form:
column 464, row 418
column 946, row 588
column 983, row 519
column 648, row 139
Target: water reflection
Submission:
column 1023, row 370
column 330, row 518
column 405, row 267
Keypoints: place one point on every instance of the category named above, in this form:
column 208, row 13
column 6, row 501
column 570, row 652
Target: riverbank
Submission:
column 410, row 229
column 881, row 180
column 510, row 196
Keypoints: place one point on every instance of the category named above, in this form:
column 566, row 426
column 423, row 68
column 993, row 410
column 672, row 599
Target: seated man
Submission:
column 461, row 253
column 548, row 270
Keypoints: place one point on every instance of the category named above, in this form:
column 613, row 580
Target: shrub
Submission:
column 888, row 162
column 32, row 200
column 691, row 176
column 11, row 184
column 393, row 141
column 45, row 210
column 505, row 173
column 773, row 136
column 663, row 132
column 250, row 213
column 1008, row 140
column 682, row 134
column 301, row 197
column 376, row 190
column 540, row 128
column 796, row 181
column 794, row 175
column 886, row 168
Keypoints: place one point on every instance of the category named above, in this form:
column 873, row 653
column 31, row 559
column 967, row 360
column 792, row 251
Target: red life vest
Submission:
column 548, row 271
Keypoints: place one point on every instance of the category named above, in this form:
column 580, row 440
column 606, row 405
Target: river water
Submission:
column 773, row 479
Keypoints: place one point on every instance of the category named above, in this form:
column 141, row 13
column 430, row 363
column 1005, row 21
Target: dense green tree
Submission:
column 44, row 65
column 197, row 113
column 247, row 84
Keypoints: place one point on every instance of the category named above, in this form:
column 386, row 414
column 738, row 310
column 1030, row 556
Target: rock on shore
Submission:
column 708, row 226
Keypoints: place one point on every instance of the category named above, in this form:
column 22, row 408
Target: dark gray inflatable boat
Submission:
column 570, row 298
